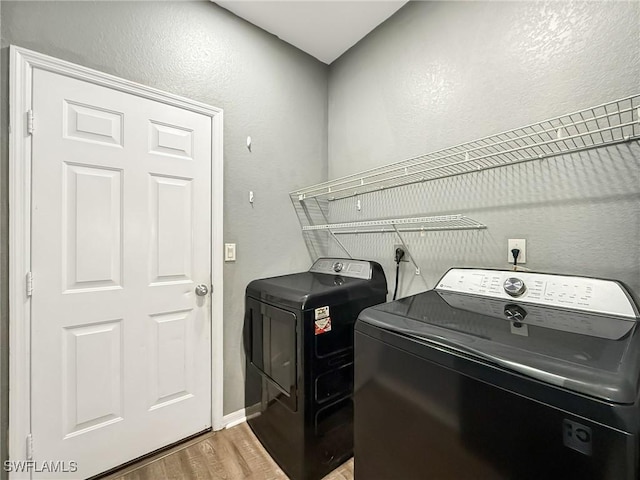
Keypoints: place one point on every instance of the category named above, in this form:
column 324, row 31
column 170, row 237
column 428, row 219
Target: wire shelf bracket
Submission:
column 406, row 249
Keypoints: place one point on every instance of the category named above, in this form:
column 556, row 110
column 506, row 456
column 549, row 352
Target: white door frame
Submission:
column 22, row 64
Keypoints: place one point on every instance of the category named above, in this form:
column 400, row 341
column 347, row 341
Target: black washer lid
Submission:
column 596, row 355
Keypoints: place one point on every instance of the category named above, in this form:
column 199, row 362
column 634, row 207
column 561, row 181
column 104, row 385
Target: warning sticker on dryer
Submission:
column 323, row 325
column 322, row 312
column 323, row 320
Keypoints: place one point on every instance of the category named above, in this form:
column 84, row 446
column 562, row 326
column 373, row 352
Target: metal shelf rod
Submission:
column 465, row 172
column 389, row 221
column 396, row 167
column 390, row 230
column 577, row 131
column 470, row 160
column 423, row 224
column 357, row 176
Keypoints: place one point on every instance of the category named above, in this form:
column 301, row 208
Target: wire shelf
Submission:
column 606, row 124
column 395, row 225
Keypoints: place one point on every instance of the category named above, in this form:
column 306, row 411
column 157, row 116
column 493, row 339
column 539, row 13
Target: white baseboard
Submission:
column 240, row 416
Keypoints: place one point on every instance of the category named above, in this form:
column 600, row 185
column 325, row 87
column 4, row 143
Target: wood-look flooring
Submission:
column 230, row 454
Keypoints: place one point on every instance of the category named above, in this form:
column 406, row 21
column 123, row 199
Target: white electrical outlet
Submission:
column 521, row 244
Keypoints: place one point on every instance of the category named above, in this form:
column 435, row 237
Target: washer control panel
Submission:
column 579, row 293
column 343, row 266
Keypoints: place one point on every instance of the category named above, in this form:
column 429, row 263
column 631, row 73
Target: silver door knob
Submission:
column 201, row 290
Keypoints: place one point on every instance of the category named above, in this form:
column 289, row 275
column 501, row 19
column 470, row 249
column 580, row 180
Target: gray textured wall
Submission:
column 437, row 74
column 442, row 73
column 268, row 90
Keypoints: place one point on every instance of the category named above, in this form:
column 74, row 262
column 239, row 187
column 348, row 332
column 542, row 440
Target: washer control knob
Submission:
column 337, row 267
column 514, row 286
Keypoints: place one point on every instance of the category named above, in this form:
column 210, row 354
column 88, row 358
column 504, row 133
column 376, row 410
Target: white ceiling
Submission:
column 324, row 29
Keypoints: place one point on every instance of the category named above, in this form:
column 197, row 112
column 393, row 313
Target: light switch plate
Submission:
column 229, row 252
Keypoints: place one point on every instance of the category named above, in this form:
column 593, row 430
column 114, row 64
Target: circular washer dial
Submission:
column 514, row 286
column 337, row 267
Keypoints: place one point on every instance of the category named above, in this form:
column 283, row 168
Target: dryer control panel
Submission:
column 345, row 267
column 579, row 293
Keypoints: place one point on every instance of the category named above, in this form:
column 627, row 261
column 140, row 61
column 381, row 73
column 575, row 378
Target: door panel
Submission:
column 121, row 356
column 171, row 372
column 92, row 376
column 170, row 206
column 92, row 227
column 171, row 140
column 89, row 123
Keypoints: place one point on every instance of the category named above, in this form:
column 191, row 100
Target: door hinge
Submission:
column 29, row 284
column 30, row 127
column 30, row 447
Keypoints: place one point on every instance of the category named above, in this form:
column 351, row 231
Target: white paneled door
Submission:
column 121, row 238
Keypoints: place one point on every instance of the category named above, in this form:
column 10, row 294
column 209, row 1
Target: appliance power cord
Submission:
column 398, row 258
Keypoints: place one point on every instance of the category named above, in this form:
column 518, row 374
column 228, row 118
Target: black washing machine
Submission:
column 298, row 337
column 500, row 375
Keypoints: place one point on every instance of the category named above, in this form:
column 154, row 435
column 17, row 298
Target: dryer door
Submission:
column 272, row 347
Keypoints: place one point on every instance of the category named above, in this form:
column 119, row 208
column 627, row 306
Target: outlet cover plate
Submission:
column 521, row 244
